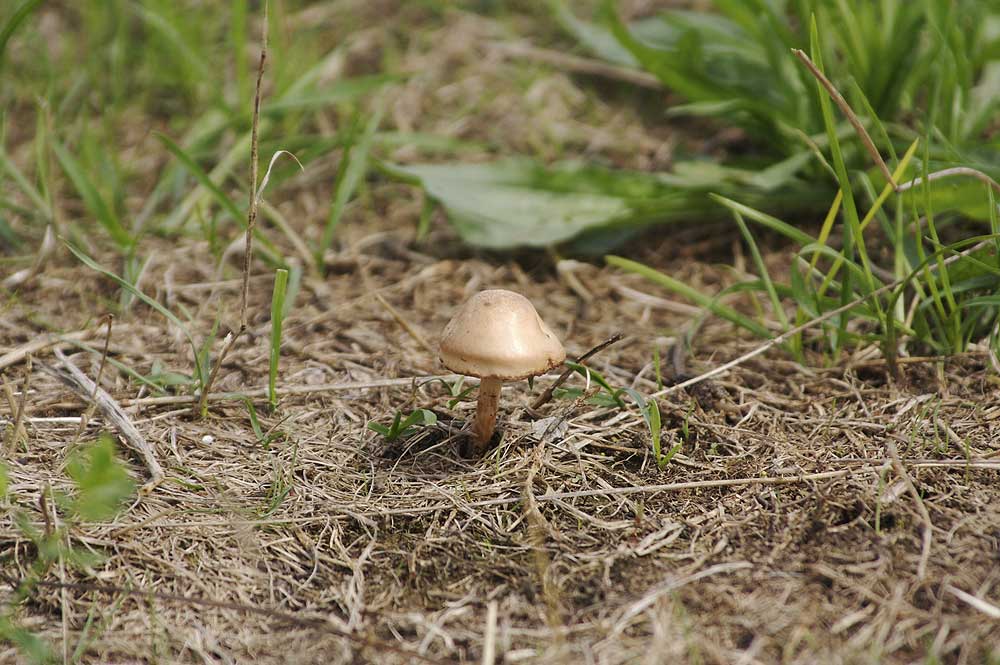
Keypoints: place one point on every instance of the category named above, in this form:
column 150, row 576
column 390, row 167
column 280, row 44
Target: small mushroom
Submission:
column 497, row 336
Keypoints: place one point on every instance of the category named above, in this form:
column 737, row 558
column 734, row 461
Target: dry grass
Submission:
column 780, row 533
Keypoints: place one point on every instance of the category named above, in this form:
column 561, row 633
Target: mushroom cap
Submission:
column 498, row 334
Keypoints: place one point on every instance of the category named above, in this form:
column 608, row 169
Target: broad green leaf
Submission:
column 519, row 202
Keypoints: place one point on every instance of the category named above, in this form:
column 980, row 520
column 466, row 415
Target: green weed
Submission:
column 101, row 486
column 403, row 427
column 277, row 318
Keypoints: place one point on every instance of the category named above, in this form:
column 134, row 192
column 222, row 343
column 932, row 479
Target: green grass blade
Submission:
column 199, row 174
column 170, row 316
column 13, row 23
column 769, row 221
column 352, row 170
column 268, row 250
column 695, row 296
column 277, row 318
column 92, row 199
column 762, row 269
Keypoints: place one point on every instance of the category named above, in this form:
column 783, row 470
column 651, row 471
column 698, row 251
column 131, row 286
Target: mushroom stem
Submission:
column 486, row 413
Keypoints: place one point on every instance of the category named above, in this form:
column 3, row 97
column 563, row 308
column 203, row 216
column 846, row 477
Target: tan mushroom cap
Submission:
column 498, row 334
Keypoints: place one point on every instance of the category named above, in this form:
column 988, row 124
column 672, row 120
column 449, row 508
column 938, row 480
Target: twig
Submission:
column 287, row 390
column 579, row 65
column 846, row 109
column 17, row 355
column 405, row 325
column 989, row 609
column 18, row 432
column 100, row 372
column 251, row 225
column 870, row 145
column 286, row 617
column 18, row 425
column 547, row 395
column 925, row 550
column 948, row 173
column 81, row 384
column 254, row 138
column 490, row 635
column 774, row 341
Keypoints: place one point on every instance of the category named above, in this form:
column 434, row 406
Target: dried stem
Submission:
column 547, row 395
column 925, row 550
column 109, row 318
column 92, row 393
column 321, row 624
column 18, row 424
column 851, row 116
column 947, row 173
column 870, row 145
column 202, row 408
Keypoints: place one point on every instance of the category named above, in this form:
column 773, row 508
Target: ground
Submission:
column 781, row 531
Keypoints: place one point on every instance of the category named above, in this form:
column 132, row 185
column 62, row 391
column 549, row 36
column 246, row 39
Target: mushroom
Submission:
column 497, row 336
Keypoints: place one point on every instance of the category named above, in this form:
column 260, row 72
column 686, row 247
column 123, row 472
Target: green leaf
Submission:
column 695, row 296
column 101, row 481
column 353, row 167
column 420, row 416
column 13, row 23
column 519, row 202
column 378, row 427
column 33, row 647
column 93, row 265
column 92, row 199
column 596, row 38
column 598, row 378
column 4, row 481
column 277, row 318
column 267, row 248
column 199, row 174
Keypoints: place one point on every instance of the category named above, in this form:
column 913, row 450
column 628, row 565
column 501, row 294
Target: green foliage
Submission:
column 101, row 486
column 263, row 438
column 102, row 483
column 353, row 167
column 96, row 204
column 607, row 396
column 521, row 202
column 403, row 427
column 734, row 64
column 455, row 389
column 277, row 318
column 13, row 23
column 4, row 480
column 200, row 354
column 610, row 397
